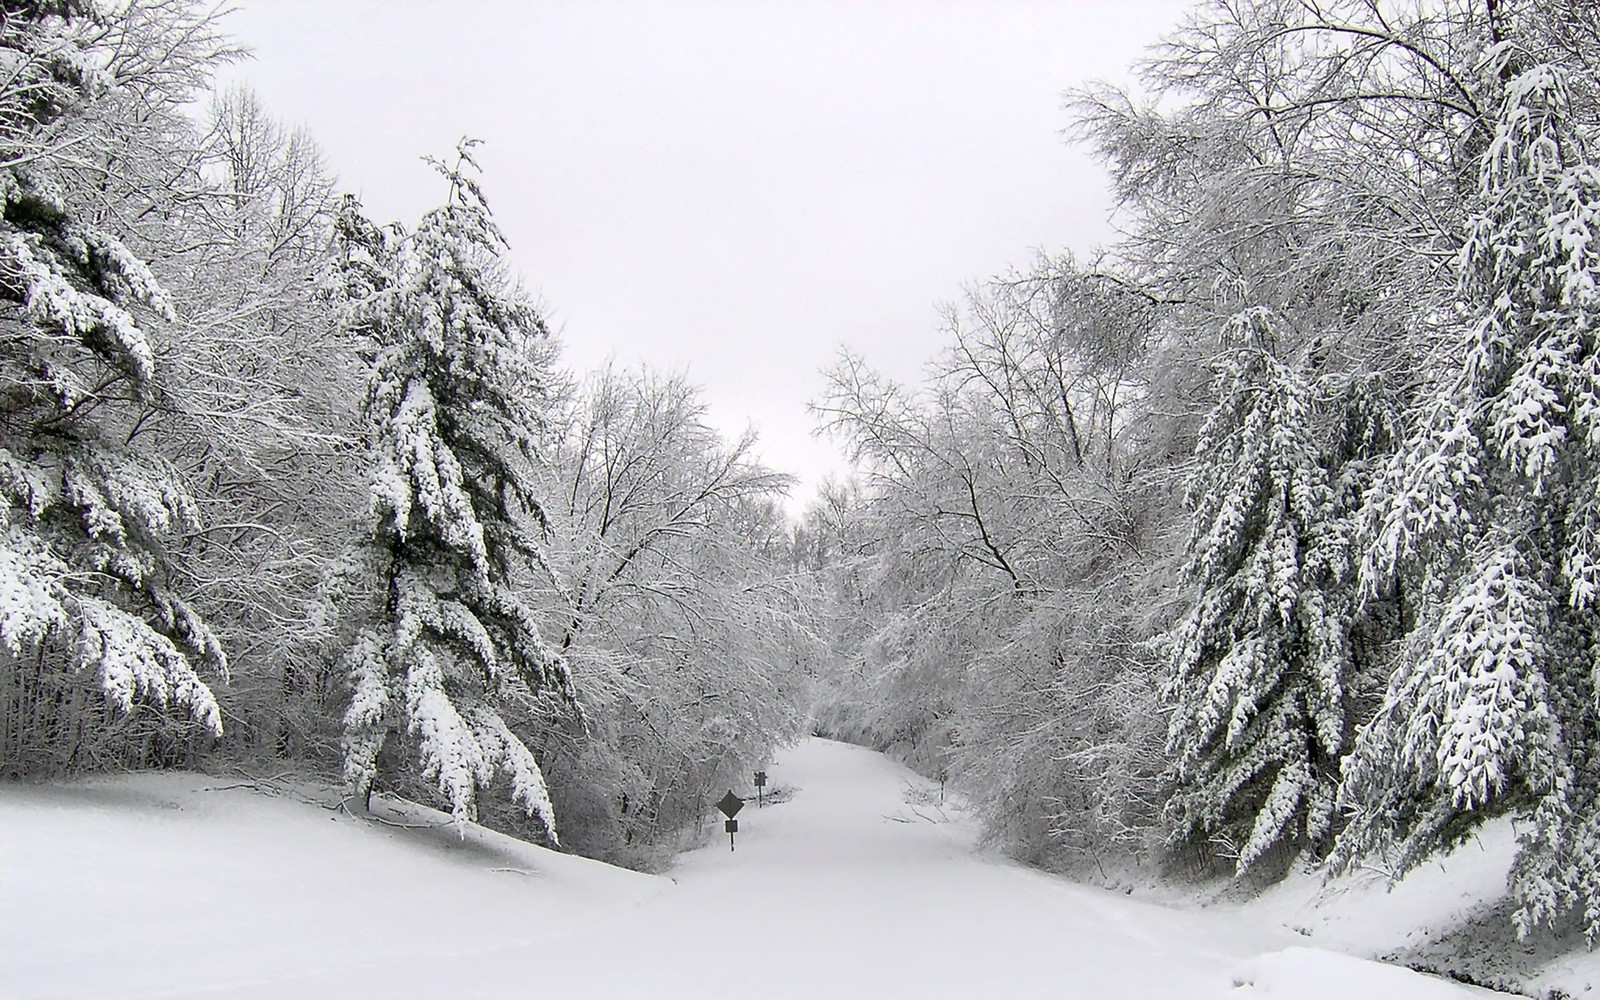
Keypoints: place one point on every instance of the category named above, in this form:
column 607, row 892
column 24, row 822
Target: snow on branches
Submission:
column 454, row 397
column 1485, row 522
column 86, row 514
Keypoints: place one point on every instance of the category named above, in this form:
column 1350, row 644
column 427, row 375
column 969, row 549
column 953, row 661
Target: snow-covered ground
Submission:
column 165, row 885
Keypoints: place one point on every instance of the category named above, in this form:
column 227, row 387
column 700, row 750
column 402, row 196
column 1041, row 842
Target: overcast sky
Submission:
column 734, row 190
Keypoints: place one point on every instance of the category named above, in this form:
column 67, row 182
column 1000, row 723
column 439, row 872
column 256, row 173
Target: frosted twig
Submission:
column 372, row 818
column 254, row 785
column 266, row 784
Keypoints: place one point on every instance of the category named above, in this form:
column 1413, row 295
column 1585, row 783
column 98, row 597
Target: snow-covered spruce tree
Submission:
column 460, row 377
column 86, row 514
column 1260, row 663
column 1487, row 525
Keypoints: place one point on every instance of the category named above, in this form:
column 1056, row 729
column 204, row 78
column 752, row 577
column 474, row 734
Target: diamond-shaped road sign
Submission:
column 730, row 804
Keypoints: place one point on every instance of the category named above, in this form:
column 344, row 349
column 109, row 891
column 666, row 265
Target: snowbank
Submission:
column 1313, row 974
column 1450, row 915
column 158, row 885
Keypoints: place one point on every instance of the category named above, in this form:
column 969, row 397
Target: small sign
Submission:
column 730, row 805
column 761, row 779
column 732, row 826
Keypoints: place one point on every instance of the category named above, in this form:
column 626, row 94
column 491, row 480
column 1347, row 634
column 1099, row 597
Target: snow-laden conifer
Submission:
column 454, row 406
column 1261, row 661
column 1485, row 526
column 86, row 514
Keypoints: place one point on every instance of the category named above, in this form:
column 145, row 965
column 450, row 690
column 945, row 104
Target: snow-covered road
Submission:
column 851, row 888
column 848, row 890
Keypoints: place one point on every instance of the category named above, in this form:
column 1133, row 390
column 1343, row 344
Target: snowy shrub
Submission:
column 1059, row 747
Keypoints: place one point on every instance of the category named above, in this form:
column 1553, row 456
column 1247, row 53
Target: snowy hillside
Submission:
column 175, row 884
column 857, row 885
column 1452, row 915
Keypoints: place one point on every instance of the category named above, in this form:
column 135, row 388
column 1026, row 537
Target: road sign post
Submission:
column 730, row 805
column 761, row 782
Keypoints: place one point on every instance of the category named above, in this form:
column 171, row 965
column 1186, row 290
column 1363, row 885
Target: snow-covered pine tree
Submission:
column 363, row 262
column 1487, row 524
column 1259, row 665
column 86, row 514
column 455, row 406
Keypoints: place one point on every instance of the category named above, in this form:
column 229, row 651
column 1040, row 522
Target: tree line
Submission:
column 1268, row 534
column 280, row 483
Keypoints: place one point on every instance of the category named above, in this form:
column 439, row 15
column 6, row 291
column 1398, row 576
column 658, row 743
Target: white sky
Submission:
column 730, row 189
